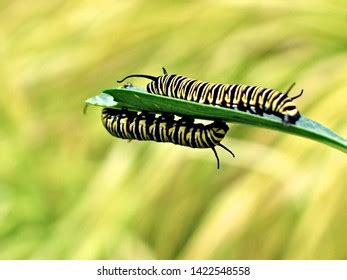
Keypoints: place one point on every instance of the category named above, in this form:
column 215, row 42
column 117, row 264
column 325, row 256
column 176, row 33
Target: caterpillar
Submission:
column 253, row 99
column 164, row 128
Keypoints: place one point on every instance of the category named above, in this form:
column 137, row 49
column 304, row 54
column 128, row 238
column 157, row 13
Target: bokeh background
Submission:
column 68, row 190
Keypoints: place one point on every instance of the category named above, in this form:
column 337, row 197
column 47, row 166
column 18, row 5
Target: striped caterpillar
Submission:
column 164, row 128
column 253, row 99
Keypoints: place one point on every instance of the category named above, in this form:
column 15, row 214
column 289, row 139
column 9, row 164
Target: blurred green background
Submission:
column 68, row 190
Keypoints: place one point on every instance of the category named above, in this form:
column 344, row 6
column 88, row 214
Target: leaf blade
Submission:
column 138, row 99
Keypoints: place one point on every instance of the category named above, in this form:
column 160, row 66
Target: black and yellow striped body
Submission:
column 253, row 99
column 146, row 126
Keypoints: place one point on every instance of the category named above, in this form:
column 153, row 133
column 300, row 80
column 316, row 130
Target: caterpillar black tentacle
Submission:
column 297, row 96
column 225, row 148
column 164, row 128
column 216, row 155
column 138, row 76
column 253, row 99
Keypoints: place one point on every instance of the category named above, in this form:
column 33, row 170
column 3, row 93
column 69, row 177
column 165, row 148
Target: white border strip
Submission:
column 43, row 270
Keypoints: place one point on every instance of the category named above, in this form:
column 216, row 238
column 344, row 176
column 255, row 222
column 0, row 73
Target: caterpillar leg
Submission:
column 128, row 85
column 286, row 120
column 186, row 120
column 124, row 111
column 145, row 115
column 169, row 117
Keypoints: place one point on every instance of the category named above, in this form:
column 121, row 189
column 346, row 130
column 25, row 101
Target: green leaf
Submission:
column 138, row 99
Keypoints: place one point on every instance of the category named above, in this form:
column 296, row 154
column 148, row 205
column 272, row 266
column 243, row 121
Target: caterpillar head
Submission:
column 291, row 118
column 290, row 113
column 219, row 129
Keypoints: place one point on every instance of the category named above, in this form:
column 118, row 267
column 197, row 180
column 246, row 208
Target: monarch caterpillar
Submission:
column 164, row 128
column 253, row 99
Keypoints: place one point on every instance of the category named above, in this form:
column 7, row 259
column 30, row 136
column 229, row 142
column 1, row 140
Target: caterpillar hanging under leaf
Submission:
column 164, row 128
